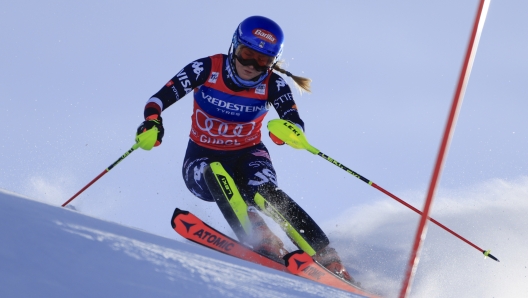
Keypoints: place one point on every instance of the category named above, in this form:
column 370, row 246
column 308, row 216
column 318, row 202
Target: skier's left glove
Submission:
column 150, row 132
column 275, row 139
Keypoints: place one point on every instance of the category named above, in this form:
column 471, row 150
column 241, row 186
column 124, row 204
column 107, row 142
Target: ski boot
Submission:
column 264, row 241
column 329, row 259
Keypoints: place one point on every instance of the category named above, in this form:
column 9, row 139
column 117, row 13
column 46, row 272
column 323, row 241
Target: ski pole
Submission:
column 294, row 136
column 145, row 140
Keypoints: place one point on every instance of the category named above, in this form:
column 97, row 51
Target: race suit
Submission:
column 226, row 123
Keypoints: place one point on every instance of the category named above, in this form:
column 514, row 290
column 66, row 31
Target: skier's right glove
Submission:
column 150, row 132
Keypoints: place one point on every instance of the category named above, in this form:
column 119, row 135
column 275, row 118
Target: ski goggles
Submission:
column 260, row 62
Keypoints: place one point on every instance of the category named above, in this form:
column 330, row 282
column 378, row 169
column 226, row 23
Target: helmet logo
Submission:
column 262, row 44
column 265, row 35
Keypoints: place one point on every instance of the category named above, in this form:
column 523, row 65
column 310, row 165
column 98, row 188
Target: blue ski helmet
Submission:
column 262, row 35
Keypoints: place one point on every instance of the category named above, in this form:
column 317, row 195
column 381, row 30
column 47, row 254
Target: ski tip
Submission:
column 177, row 212
column 288, row 256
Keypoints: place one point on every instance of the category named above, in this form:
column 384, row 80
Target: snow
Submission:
column 49, row 251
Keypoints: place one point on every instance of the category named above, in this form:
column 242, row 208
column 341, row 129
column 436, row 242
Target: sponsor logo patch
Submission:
column 282, row 99
column 225, row 186
column 218, row 128
column 265, row 35
column 197, row 68
column 313, row 272
column 280, row 83
column 215, row 240
column 231, row 106
column 184, row 80
column 261, row 153
column 214, row 77
column 260, row 89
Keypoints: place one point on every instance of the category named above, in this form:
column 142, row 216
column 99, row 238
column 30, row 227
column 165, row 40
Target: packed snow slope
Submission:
column 49, row 251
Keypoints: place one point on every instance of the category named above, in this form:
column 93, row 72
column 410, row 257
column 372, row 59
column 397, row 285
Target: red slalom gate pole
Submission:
column 451, row 122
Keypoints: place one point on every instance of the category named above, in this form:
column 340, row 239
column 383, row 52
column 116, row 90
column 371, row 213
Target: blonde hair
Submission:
column 302, row 83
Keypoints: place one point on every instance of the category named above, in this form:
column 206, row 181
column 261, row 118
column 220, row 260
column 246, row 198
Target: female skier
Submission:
column 226, row 162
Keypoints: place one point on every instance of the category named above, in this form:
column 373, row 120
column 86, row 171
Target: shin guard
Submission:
column 297, row 224
column 229, row 200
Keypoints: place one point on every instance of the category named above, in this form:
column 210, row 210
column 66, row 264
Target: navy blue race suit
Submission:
column 226, row 123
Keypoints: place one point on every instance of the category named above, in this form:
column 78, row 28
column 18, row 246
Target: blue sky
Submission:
column 75, row 77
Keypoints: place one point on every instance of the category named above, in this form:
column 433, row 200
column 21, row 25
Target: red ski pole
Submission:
column 144, row 140
column 102, row 173
column 295, row 137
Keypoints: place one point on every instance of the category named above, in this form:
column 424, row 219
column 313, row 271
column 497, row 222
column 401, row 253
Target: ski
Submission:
column 302, row 264
column 297, row 263
column 192, row 228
